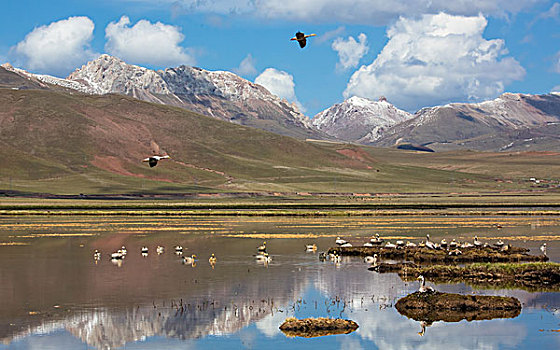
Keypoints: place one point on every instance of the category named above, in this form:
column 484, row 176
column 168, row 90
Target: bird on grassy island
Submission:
column 455, row 252
column 302, row 38
column 390, row 245
column 453, row 244
column 153, row 160
column 376, row 240
column 368, row 245
column 476, row 242
column 346, row 245
column 429, row 244
column 411, row 244
column 423, row 288
column 499, row 244
column 543, row 248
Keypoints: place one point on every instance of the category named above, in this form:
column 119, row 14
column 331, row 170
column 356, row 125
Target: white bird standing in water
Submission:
column 189, row 259
column 311, row 247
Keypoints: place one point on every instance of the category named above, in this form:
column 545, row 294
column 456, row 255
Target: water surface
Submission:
column 55, row 295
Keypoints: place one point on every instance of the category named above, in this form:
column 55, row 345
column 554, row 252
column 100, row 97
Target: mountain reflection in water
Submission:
column 156, row 301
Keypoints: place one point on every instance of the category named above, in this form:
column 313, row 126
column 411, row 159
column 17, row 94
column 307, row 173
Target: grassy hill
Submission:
column 57, row 142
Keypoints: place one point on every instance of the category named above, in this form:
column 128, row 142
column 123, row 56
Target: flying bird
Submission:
column 301, row 38
column 153, row 160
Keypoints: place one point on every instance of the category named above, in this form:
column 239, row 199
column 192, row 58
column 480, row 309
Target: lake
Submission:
column 55, row 295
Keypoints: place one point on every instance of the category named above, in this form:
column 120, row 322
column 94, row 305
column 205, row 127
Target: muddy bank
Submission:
column 317, row 327
column 436, row 306
column 425, row 255
column 532, row 276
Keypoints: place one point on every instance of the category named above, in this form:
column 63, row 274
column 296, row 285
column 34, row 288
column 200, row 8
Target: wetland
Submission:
column 55, row 294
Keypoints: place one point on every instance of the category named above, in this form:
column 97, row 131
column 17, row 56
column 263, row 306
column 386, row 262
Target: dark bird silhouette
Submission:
column 301, row 38
column 153, row 160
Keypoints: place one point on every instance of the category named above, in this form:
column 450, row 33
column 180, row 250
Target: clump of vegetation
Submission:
column 316, row 327
column 437, row 306
column 533, row 276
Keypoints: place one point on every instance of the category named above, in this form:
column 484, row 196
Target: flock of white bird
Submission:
column 118, row 256
column 453, row 248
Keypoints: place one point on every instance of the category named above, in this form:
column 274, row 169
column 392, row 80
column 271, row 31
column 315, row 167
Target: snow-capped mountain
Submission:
column 359, row 119
column 509, row 122
column 218, row 94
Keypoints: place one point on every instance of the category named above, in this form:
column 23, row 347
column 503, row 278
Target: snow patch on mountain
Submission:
column 359, row 119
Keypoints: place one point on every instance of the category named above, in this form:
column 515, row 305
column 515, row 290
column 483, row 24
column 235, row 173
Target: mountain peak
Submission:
column 359, row 119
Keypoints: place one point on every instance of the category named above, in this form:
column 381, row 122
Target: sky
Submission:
column 415, row 53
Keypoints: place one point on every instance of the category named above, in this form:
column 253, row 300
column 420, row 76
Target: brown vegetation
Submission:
column 437, row 306
column 316, row 327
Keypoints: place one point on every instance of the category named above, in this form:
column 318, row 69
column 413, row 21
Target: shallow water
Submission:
column 54, row 295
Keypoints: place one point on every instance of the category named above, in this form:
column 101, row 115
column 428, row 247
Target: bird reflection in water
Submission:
column 423, row 324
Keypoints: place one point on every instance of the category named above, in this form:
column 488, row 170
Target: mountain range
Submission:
column 512, row 122
column 509, row 122
column 219, row 94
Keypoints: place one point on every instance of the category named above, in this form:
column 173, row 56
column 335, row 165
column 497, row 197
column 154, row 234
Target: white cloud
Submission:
column 280, row 84
column 57, row 48
column 350, row 51
column 247, row 66
column 556, row 89
column 324, row 37
column 436, row 59
column 376, row 12
column 556, row 66
column 553, row 12
column 147, row 43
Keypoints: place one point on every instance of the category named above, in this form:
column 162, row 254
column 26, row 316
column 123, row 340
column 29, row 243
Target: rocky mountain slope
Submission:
column 359, row 120
column 509, row 122
column 218, row 94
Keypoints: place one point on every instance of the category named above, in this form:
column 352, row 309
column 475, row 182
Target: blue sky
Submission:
column 416, row 54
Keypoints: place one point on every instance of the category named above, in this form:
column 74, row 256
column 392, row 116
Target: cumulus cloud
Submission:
column 280, row 84
column 247, row 66
column 350, row 51
column 376, row 12
column 57, row 48
column 147, row 43
column 436, row 59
